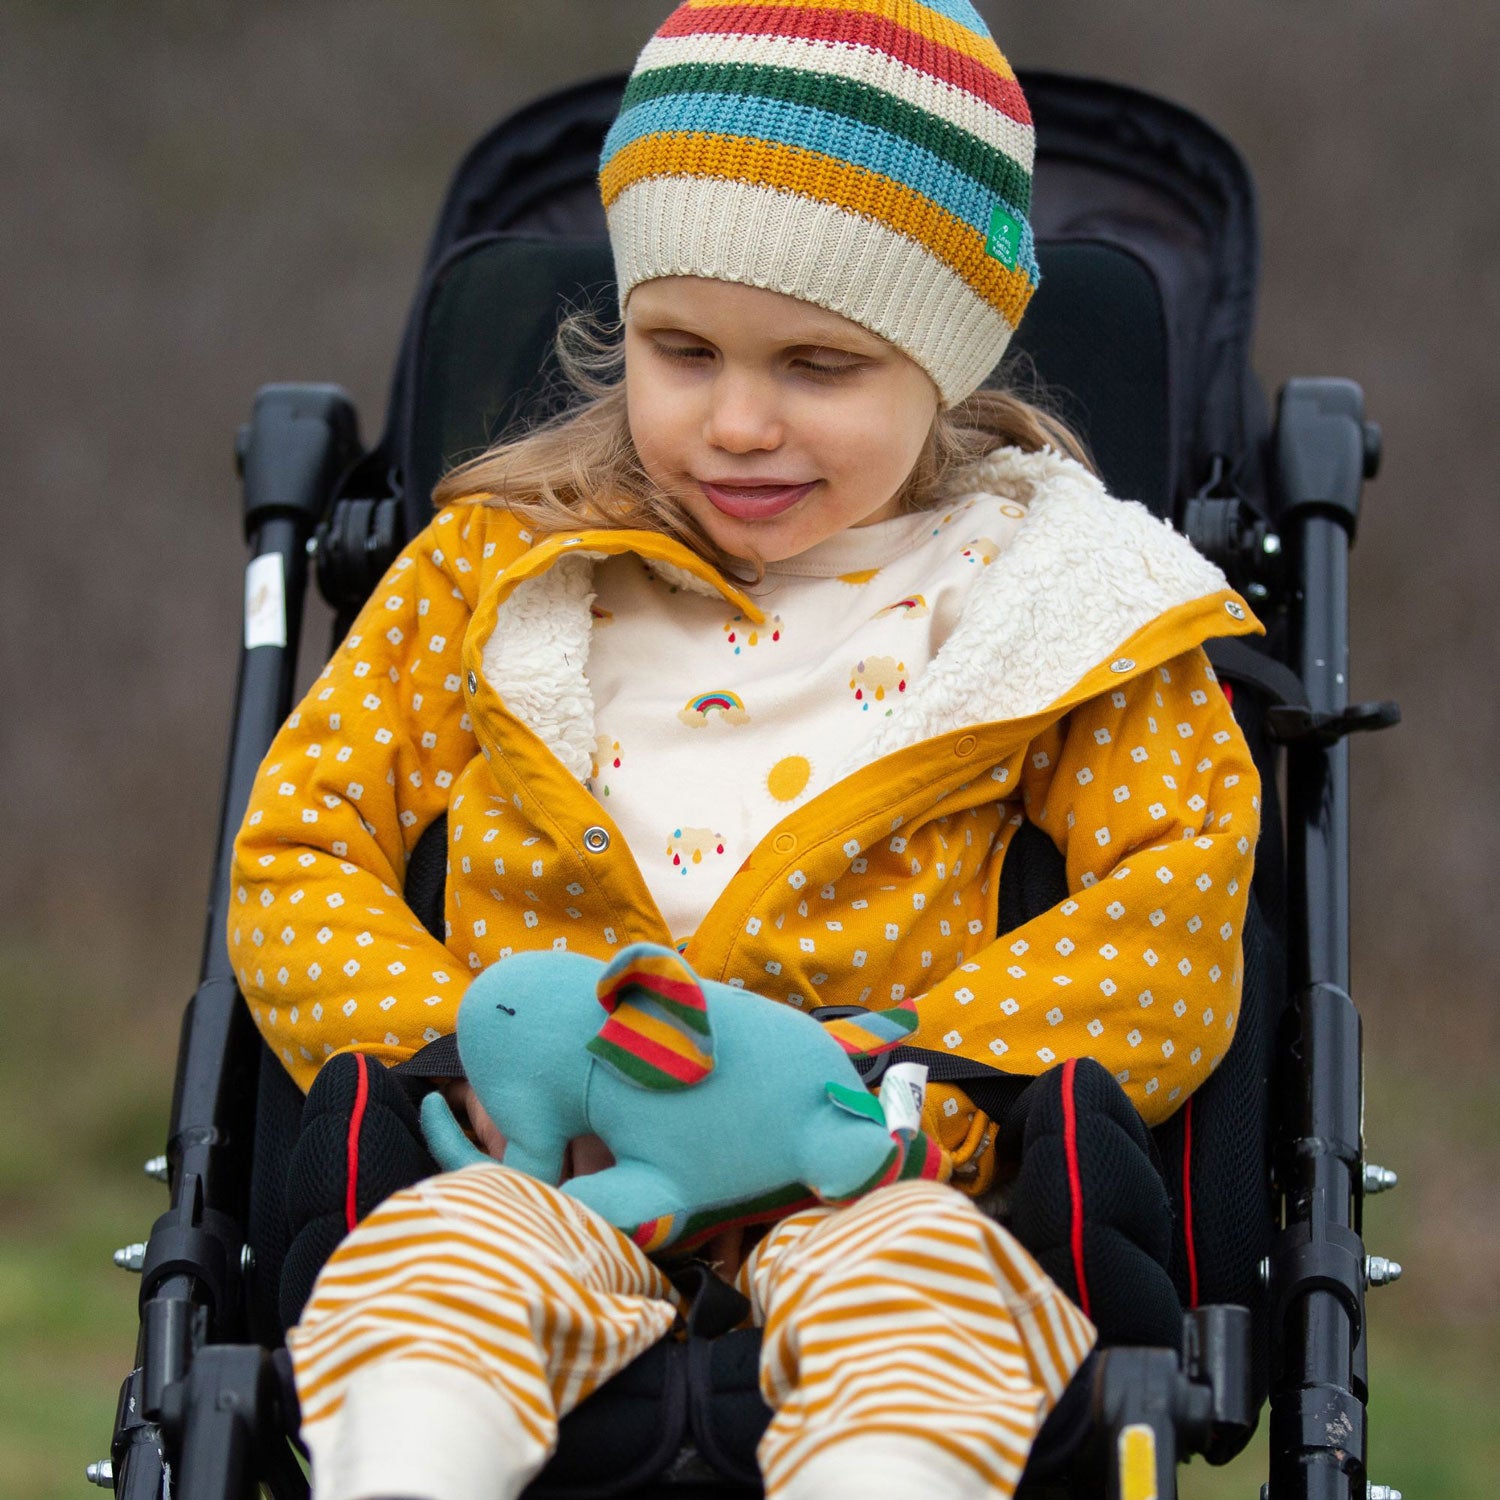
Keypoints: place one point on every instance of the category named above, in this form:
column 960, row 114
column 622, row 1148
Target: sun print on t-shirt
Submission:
column 789, row 777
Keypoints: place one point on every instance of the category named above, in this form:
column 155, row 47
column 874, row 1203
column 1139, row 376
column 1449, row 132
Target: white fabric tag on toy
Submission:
column 265, row 602
column 901, row 1093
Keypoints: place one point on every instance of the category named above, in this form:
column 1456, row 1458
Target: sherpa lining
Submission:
column 536, row 656
column 1082, row 574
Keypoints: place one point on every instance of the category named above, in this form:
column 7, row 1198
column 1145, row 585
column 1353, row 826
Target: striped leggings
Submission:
column 911, row 1346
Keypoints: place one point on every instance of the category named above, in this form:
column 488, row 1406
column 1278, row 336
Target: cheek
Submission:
column 882, row 444
column 655, row 423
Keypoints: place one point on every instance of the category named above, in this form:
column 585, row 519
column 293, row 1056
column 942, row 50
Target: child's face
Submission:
column 775, row 423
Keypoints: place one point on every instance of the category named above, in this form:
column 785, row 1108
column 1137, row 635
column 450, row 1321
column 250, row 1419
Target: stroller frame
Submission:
column 204, row 1415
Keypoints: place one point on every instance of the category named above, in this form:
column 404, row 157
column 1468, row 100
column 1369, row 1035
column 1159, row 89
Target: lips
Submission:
column 754, row 502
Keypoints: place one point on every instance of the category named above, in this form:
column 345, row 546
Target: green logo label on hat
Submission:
column 1004, row 243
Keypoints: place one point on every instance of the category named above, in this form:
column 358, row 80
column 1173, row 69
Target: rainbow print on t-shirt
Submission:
column 914, row 606
column 720, row 702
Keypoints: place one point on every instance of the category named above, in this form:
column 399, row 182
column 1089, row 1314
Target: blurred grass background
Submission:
column 202, row 197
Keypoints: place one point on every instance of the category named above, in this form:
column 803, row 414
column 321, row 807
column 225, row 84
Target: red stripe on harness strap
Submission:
column 361, row 1094
column 1187, row 1202
column 1075, row 1180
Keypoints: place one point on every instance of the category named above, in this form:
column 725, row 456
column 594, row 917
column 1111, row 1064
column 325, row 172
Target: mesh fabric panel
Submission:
column 1125, row 1232
column 278, row 1121
column 391, row 1155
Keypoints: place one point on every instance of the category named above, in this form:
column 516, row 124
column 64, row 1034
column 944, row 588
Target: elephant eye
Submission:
column 508, row 1011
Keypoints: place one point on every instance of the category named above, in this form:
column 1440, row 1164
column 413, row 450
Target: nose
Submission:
column 743, row 414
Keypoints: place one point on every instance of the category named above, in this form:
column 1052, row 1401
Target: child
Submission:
column 764, row 651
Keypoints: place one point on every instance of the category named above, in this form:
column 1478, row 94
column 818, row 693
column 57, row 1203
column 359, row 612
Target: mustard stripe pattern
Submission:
column 469, row 1269
column 912, row 1315
column 908, row 1314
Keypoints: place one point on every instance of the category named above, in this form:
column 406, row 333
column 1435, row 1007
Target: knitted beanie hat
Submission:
column 870, row 156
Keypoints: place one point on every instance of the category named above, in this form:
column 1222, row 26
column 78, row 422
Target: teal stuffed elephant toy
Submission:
column 719, row 1106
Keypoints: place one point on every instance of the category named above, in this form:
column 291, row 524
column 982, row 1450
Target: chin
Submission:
column 754, row 541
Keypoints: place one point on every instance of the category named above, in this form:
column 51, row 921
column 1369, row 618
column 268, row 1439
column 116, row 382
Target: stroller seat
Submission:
column 1145, row 228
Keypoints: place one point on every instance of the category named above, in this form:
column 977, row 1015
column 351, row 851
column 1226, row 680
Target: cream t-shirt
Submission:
column 712, row 729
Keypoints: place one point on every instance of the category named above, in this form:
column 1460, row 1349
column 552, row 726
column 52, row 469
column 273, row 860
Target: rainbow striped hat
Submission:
column 871, row 156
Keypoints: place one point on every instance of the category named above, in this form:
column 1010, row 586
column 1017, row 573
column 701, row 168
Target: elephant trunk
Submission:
column 445, row 1138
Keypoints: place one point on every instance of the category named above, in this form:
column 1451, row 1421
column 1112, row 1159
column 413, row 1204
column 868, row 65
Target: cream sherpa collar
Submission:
column 1083, row 573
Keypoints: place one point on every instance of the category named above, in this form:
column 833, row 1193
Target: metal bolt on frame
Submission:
column 1372, row 1492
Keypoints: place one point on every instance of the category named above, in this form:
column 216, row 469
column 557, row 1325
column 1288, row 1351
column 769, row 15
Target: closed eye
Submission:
column 828, row 369
column 508, row 1011
column 683, row 353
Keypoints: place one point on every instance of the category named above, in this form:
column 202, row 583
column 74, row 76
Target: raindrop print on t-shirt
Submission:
column 877, row 678
column 689, row 846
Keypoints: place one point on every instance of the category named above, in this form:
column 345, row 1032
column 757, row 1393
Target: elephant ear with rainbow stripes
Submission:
column 657, row 1032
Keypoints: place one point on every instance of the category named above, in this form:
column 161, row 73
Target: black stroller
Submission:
column 1145, row 225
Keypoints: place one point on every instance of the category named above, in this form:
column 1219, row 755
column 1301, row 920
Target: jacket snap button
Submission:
column 1235, row 609
column 596, row 839
column 473, row 683
column 785, row 843
column 1122, row 664
column 966, row 745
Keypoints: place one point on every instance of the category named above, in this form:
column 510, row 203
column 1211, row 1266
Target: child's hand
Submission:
column 471, row 1114
column 585, row 1155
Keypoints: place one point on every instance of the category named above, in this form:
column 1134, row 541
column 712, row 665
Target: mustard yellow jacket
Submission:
column 1073, row 691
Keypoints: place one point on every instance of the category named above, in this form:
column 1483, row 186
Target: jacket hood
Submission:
column 1083, row 573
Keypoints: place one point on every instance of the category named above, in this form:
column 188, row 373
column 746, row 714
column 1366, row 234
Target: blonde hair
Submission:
column 579, row 468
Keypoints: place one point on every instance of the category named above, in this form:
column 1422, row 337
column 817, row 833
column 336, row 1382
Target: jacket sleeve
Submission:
column 1150, row 794
column 328, row 954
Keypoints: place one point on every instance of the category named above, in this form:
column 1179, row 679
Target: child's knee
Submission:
column 513, row 1207
column 905, row 1215
column 921, row 1203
